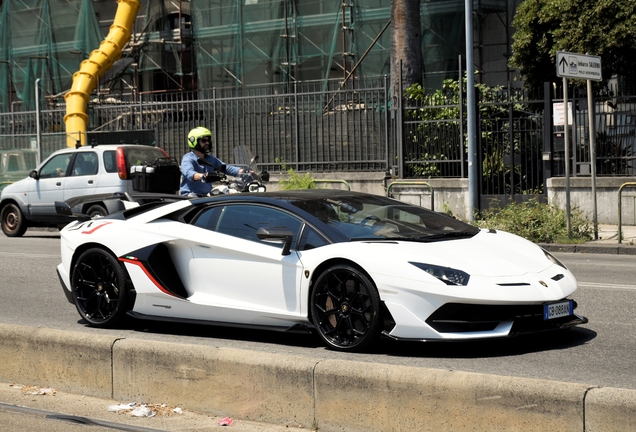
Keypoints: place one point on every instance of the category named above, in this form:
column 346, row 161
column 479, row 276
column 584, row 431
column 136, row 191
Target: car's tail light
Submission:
column 121, row 164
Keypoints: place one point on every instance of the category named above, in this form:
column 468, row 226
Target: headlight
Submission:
column 553, row 259
column 447, row 275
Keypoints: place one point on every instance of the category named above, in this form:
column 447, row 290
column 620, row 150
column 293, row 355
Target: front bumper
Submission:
column 65, row 288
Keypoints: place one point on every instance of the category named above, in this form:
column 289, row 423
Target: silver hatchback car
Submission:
column 91, row 170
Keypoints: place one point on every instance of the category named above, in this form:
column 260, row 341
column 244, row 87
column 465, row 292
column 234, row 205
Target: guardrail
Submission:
column 620, row 211
column 344, row 182
column 412, row 183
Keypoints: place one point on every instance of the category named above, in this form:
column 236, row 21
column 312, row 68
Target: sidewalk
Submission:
column 606, row 243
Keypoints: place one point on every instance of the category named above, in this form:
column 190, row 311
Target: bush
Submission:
column 537, row 222
column 297, row 181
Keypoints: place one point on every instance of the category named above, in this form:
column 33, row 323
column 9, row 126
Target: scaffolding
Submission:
column 190, row 46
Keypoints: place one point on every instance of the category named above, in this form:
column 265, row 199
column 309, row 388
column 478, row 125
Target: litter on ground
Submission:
column 34, row 390
column 226, row 421
column 145, row 410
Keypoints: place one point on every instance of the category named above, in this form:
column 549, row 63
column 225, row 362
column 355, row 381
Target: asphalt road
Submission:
column 600, row 353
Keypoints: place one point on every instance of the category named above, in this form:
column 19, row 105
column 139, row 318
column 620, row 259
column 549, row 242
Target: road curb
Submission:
column 591, row 248
column 75, row 362
column 610, row 409
column 264, row 387
column 328, row 394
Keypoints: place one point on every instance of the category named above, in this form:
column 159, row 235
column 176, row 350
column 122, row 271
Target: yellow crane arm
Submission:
column 91, row 69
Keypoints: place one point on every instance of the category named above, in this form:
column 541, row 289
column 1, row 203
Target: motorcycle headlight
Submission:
column 449, row 276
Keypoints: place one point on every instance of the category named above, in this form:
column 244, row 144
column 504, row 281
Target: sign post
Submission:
column 587, row 67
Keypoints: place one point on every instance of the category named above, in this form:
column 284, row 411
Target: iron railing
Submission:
column 322, row 128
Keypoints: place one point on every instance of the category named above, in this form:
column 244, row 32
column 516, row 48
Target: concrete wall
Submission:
column 452, row 194
column 581, row 197
column 331, row 395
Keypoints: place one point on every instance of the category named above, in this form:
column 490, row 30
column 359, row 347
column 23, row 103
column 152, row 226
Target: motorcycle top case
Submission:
column 162, row 176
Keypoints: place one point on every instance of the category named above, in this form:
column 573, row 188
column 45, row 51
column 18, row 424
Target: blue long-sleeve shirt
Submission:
column 190, row 166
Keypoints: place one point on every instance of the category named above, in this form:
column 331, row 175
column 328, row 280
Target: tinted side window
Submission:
column 57, row 166
column 311, row 239
column 208, row 218
column 110, row 161
column 244, row 220
column 85, row 163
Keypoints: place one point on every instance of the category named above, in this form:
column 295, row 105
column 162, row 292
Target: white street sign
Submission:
column 581, row 66
column 559, row 114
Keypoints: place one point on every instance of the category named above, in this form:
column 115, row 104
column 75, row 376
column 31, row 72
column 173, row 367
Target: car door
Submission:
column 238, row 270
column 82, row 176
column 49, row 185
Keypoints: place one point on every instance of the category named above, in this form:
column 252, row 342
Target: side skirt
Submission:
column 296, row 328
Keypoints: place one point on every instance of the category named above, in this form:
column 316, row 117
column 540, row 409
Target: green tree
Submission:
column 439, row 116
column 606, row 28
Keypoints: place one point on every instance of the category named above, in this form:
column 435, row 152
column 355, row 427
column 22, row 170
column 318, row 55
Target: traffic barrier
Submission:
column 412, row 183
column 620, row 209
column 282, row 389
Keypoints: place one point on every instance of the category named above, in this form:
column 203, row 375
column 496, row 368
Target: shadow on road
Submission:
column 516, row 346
column 297, row 339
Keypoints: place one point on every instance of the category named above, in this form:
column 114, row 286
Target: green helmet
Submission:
column 196, row 133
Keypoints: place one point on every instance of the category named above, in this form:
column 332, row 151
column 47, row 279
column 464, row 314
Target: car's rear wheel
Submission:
column 345, row 308
column 96, row 210
column 99, row 285
column 12, row 221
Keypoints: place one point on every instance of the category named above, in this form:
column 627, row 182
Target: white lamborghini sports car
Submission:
column 349, row 266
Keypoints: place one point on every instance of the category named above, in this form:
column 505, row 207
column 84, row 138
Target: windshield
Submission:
column 375, row 217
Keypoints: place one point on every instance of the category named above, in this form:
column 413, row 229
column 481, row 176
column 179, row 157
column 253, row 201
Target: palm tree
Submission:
column 406, row 44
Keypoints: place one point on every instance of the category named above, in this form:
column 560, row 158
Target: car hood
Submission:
column 489, row 253
column 16, row 187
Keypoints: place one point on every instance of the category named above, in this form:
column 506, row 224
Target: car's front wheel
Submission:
column 345, row 308
column 99, row 285
column 12, row 221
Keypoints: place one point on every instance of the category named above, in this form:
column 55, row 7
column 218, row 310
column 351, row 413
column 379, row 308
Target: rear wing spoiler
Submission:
column 65, row 208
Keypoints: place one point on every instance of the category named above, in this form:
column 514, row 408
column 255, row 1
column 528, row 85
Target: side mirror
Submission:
column 34, row 175
column 277, row 235
column 63, row 208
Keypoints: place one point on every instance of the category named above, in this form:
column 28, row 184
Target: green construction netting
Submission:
column 222, row 43
column 274, row 41
column 46, row 40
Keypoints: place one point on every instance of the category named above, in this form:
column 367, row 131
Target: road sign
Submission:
column 559, row 114
column 581, row 66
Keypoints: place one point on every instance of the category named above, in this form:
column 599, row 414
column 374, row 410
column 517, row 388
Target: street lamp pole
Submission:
column 471, row 112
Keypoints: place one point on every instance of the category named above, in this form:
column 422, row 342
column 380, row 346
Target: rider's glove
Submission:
column 210, row 177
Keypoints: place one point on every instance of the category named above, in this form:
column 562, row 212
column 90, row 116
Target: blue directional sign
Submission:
column 581, row 66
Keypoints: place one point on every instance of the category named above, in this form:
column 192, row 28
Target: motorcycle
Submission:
column 248, row 181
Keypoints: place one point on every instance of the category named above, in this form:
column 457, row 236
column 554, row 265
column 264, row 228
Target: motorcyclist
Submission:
column 196, row 178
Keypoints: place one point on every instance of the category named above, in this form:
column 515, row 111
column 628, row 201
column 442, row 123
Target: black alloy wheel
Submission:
column 345, row 308
column 99, row 288
column 12, row 221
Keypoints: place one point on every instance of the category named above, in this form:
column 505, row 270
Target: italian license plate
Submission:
column 557, row 310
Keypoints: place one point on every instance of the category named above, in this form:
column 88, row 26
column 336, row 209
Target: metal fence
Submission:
column 321, row 128
column 510, row 128
column 311, row 129
column 308, row 130
column 615, row 133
